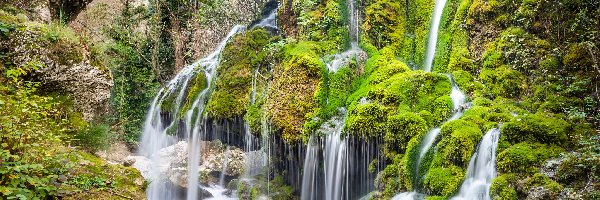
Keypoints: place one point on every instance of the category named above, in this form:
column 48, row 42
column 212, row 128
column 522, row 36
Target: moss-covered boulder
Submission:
column 92, row 178
column 502, row 189
column 295, row 82
column 401, row 128
column 459, row 142
column 526, row 157
column 537, row 128
column 444, row 181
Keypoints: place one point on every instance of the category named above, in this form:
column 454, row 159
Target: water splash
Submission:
column 481, row 170
column 433, row 34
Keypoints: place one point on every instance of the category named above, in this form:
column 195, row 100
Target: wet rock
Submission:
column 539, row 193
column 215, row 159
column 551, row 167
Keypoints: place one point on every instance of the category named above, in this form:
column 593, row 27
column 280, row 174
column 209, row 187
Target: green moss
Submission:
column 400, row 128
column 241, row 57
column 94, row 178
column 537, row 128
column 502, row 82
column 295, row 82
column 444, row 181
column 367, row 119
column 384, row 23
column 464, row 80
column 459, row 140
column 415, row 91
column 541, row 180
column 195, row 86
column 526, row 157
column 435, row 198
column 578, row 57
column 501, row 189
column 392, row 178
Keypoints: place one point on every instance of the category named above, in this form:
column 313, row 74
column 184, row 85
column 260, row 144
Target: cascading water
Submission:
column 309, row 175
column 155, row 138
column 335, row 163
column 433, row 34
column 481, row 170
column 335, row 160
column 342, row 59
column 458, row 104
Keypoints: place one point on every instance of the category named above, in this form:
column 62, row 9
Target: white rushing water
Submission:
column 155, row 137
column 335, row 155
column 481, row 170
column 433, row 34
column 309, row 175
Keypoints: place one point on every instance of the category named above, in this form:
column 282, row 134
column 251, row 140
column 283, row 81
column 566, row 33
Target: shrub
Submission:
column 94, row 137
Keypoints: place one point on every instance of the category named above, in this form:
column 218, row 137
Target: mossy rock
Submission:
column 459, row 141
column 367, row 119
column 444, row 181
column 541, row 180
column 241, row 57
column 196, row 85
column 502, row 189
column 400, row 128
column 501, row 82
column 94, row 178
column 537, row 128
column 295, row 82
column 392, row 180
column 525, row 157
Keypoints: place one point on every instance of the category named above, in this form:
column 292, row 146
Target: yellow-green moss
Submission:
column 526, row 157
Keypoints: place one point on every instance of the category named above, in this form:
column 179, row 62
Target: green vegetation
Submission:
column 244, row 56
column 526, row 157
column 296, row 80
column 444, row 181
column 35, row 132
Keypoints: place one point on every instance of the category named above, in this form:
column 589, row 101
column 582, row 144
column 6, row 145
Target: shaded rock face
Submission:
column 89, row 86
column 65, row 66
column 66, row 9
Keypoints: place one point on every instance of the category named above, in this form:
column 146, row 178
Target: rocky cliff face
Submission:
column 65, row 64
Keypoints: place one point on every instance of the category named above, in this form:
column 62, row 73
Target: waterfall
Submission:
column 155, row 139
column 335, row 160
column 458, row 105
column 309, row 175
column 342, row 59
column 481, row 170
column 433, row 34
column 269, row 22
